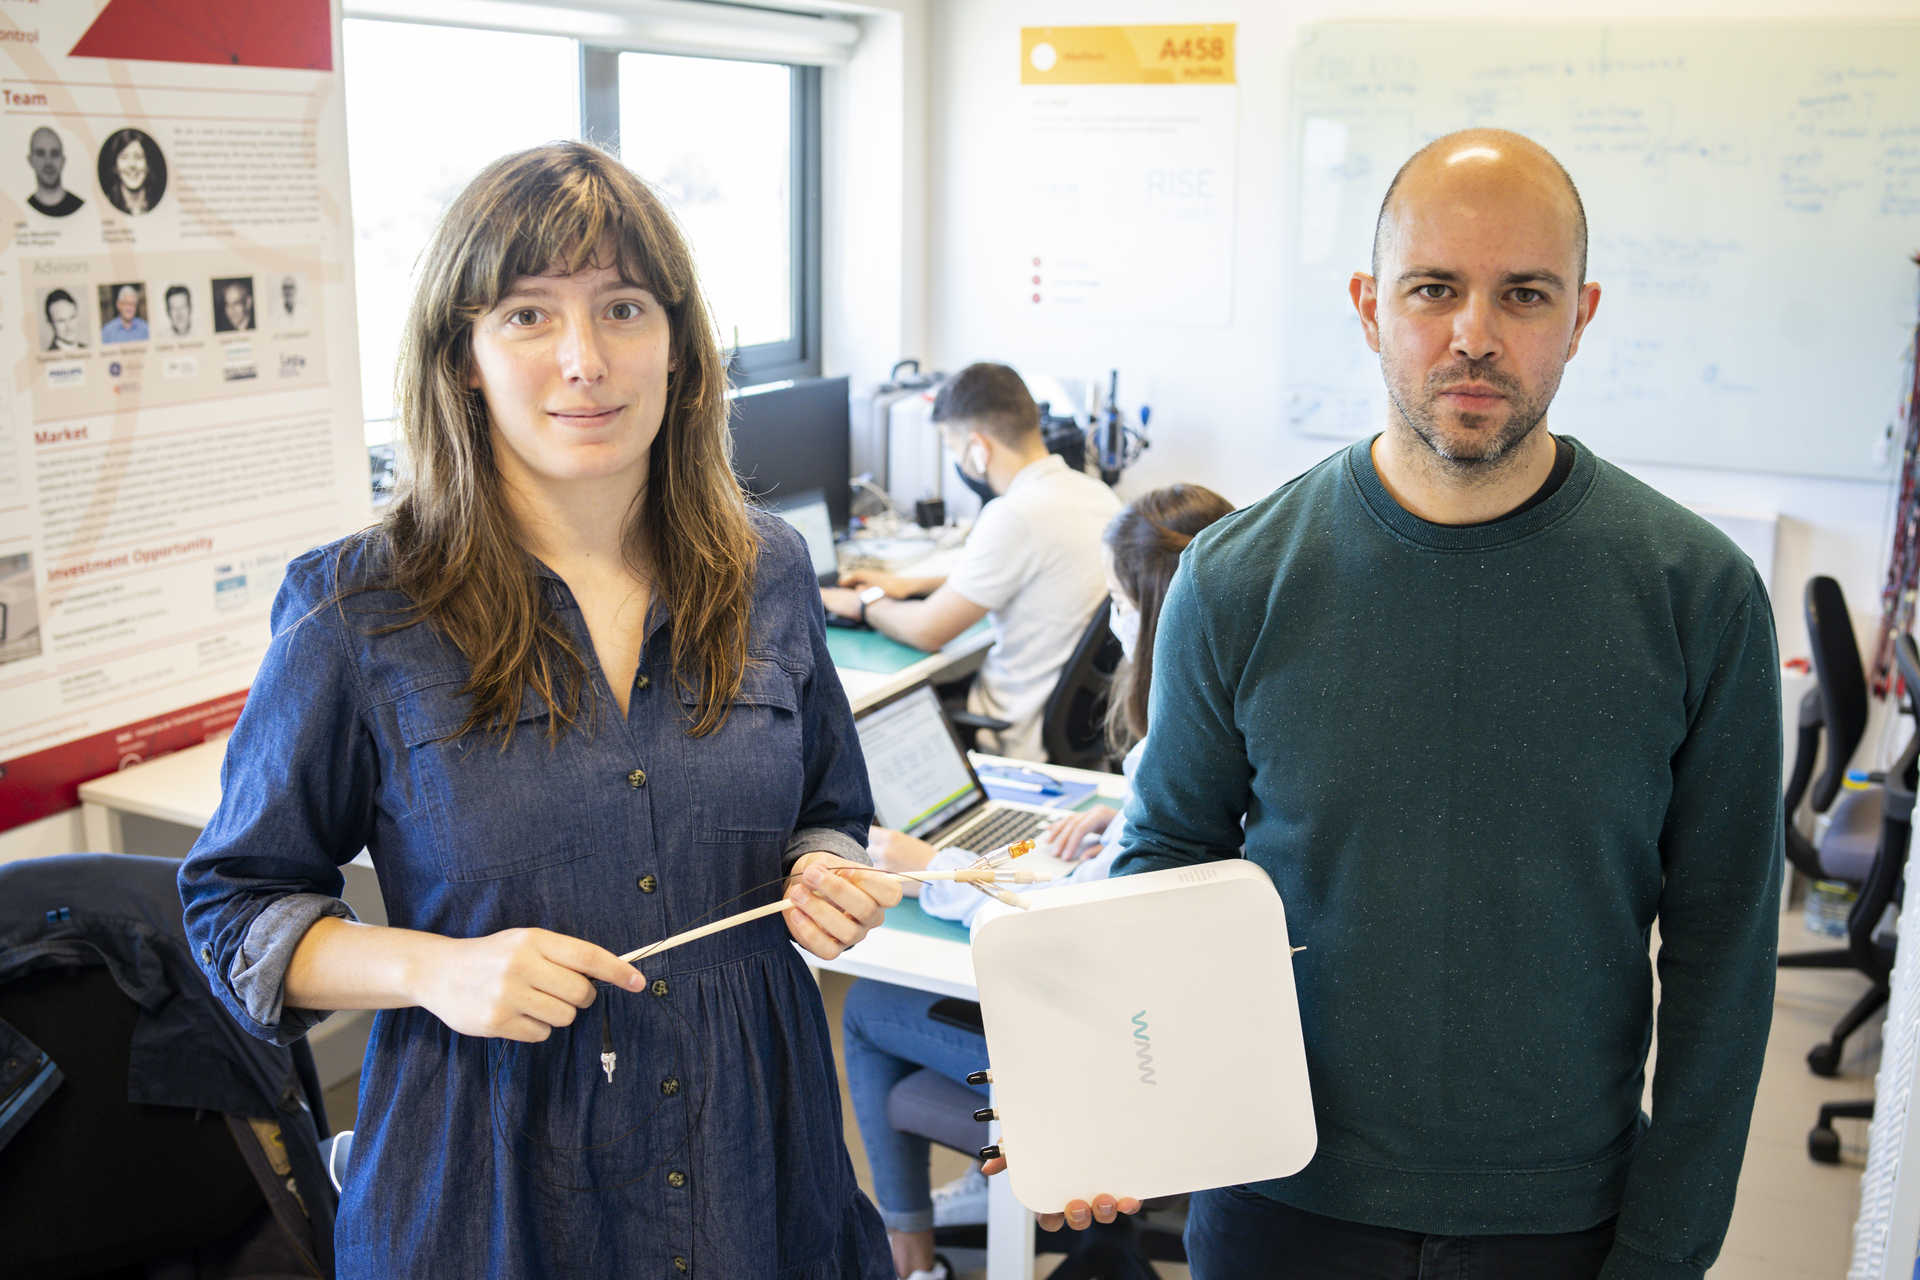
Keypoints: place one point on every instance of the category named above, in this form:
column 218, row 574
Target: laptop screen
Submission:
column 807, row 512
column 920, row 777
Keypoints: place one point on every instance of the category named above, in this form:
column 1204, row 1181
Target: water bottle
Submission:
column 1829, row 902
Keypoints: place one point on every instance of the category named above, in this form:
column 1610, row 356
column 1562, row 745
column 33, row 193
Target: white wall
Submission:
column 1216, row 391
column 873, row 195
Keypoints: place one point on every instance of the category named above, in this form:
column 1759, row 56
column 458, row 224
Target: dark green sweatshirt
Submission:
column 1479, row 763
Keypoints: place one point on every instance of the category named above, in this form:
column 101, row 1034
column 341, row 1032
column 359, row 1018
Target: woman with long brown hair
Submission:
column 572, row 695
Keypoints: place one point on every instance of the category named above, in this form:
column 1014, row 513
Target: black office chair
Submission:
column 1073, row 728
column 1836, row 709
column 1073, row 724
column 102, row 1180
column 1873, row 953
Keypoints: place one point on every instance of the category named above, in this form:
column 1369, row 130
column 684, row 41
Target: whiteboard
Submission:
column 1753, row 199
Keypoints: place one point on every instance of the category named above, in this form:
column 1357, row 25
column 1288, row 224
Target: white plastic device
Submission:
column 1144, row 1036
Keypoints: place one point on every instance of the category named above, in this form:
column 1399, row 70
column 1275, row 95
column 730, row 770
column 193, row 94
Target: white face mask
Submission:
column 1124, row 621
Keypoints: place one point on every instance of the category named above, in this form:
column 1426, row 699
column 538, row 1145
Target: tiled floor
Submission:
column 1792, row 1218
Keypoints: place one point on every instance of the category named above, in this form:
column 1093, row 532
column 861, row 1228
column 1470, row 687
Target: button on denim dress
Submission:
column 716, row 1149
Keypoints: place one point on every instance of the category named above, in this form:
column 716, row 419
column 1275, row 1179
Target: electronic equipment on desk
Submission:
column 1116, row 444
column 889, row 429
column 882, row 536
column 894, row 438
column 1180, row 1081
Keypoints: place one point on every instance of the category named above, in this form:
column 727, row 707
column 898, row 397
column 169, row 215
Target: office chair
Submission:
column 1073, row 724
column 1874, row 953
column 1836, row 708
column 942, row 1110
column 1073, row 728
column 226, row 1178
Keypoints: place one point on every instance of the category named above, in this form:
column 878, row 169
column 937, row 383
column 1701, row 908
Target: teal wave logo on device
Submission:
column 1143, row 1048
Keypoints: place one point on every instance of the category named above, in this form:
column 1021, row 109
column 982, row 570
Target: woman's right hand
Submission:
column 1066, row 839
column 518, row 984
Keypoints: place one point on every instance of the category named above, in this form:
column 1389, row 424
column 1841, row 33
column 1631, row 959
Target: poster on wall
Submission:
column 1141, row 119
column 179, row 386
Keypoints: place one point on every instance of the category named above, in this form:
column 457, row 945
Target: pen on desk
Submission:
column 1021, row 784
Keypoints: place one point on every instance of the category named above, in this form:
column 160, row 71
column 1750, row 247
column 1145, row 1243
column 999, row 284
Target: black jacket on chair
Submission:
column 137, row 1120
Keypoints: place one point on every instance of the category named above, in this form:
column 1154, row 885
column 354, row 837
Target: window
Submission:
column 404, row 177
column 731, row 145
column 734, row 149
column 726, row 170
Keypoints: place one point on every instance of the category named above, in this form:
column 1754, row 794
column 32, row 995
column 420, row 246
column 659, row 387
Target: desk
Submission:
column 182, row 788
column 944, row 965
column 959, row 656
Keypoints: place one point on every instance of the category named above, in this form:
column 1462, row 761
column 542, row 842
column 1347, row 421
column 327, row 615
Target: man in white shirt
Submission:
column 1031, row 565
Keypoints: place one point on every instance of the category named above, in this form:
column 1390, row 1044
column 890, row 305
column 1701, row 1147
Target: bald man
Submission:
column 1490, row 709
column 48, row 158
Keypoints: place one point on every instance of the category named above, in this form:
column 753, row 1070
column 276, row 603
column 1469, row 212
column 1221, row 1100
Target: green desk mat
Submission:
column 863, row 650
column 909, row 917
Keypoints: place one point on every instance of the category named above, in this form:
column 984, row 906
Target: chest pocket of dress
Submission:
column 750, row 773
column 493, row 813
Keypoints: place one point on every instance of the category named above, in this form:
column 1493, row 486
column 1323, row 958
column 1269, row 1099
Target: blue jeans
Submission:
column 1233, row 1233
column 888, row 1037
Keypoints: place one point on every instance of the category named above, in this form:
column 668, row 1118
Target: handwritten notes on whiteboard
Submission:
column 1753, row 196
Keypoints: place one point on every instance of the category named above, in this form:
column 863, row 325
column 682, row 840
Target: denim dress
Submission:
column 716, row 1148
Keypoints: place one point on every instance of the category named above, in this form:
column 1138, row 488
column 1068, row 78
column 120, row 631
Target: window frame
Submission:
column 798, row 356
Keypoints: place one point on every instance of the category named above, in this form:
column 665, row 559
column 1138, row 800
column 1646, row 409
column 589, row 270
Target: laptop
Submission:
column 807, row 512
column 923, row 783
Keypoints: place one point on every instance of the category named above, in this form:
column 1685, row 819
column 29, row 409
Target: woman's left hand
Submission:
column 837, row 906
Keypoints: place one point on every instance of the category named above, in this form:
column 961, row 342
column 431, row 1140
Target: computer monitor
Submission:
column 789, row 437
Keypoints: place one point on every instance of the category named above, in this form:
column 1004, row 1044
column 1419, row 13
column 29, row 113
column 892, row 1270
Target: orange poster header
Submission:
column 1196, row 53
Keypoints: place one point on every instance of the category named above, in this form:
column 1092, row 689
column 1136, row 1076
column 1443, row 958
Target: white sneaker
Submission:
column 962, row 1202
column 938, row 1271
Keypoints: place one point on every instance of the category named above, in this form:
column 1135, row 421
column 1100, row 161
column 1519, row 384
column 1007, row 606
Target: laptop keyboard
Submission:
column 995, row 828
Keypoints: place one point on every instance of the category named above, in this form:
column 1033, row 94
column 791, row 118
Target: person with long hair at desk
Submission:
column 571, row 694
column 891, row 1032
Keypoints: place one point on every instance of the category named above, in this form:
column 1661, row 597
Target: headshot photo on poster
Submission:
column 63, row 328
column 133, row 172
column 233, row 304
column 125, row 308
column 177, row 302
column 290, row 310
column 47, row 157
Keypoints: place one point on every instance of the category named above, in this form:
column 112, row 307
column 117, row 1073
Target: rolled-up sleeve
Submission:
column 296, row 803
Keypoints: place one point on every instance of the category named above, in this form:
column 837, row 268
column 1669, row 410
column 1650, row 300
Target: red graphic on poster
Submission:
column 240, row 33
column 48, row 782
